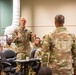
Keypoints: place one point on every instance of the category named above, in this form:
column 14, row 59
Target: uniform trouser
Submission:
column 20, row 56
column 62, row 72
column 19, row 67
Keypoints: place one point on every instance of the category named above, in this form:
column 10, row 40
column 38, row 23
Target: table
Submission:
column 25, row 63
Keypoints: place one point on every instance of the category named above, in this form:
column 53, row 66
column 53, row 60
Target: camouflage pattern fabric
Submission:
column 44, row 54
column 38, row 53
column 10, row 47
column 23, row 44
column 62, row 49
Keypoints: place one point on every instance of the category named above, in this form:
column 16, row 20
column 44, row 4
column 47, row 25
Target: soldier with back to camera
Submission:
column 62, row 49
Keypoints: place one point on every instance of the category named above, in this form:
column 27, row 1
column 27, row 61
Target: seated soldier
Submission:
column 1, row 72
column 44, row 54
column 9, row 45
column 36, row 44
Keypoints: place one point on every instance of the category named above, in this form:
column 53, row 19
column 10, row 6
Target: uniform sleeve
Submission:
column 37, row 54
column 31, row 38
column 74, row 53
column 29, row 35
column 47, row 39
column 14, row 36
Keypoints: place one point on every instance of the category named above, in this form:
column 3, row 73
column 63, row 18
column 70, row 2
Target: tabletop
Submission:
column 29, row 60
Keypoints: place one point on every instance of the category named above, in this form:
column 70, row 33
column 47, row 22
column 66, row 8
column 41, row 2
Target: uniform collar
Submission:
column 60, row 29
column 23, row 28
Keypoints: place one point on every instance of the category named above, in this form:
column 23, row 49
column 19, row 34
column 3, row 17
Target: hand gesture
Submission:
column 19, row 35
column 33, row 34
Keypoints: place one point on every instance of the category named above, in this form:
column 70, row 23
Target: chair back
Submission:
column 8, row 54
column 33, row 53
column 7, row 60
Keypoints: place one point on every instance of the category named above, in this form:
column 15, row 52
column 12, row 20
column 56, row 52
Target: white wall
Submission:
column 40, row 14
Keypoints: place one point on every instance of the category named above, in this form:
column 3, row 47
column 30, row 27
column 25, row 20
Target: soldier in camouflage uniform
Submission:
column 62, row 49
column 9, row 45
column 36, row 44
column 21, row 37
column 44, row 54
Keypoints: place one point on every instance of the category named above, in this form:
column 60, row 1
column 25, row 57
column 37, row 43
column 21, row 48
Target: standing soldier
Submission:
column 21, row 37
column 62, row 49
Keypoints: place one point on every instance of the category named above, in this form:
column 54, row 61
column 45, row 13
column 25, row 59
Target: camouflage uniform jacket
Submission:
column 62, row 48
column 33, row 46
column 10, row 47
column 23, row 43
column 44, row 55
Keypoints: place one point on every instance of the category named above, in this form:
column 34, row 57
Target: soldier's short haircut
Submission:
column 39, row 39
column 59, row 18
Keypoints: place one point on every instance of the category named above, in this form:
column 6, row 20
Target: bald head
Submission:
column 59, row 20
